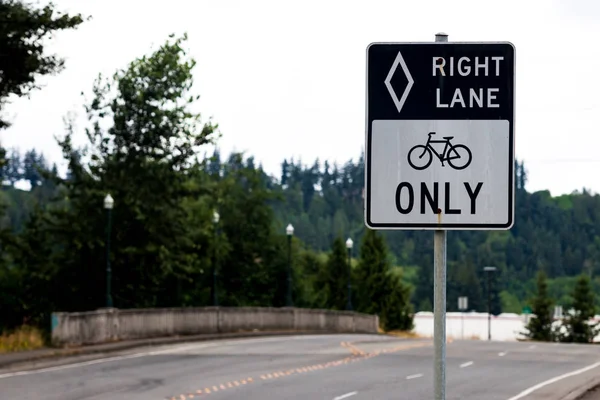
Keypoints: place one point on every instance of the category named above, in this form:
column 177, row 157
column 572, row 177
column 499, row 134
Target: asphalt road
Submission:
column 331, row 367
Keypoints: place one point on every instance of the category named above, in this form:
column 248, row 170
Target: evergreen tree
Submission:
column 34, row 165
column 579, row 328
column 372, row 273
column 334, row 279
column 14, row 167
column 381, row 292
column 254, row 271
column 540, row 326
column 397, row 310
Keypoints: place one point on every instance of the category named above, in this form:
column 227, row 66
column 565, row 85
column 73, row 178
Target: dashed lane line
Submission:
column 467, row 364
column 360, row 355
column 345, row 396
column 415, row 376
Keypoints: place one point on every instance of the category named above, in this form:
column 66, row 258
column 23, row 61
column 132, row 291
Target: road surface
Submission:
column 328, row 367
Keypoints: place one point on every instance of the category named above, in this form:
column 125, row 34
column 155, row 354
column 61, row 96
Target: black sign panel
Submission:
column 482, row 73
column 439, row 82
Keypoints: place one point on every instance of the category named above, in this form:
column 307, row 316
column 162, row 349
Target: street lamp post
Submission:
column 489, row 270
column 215, row 298
column 289, row 230
column 349, row 244
column 108, row 206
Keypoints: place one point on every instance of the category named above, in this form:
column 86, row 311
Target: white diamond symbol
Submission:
column 399, row 60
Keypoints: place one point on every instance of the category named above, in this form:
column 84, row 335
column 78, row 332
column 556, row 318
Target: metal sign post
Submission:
column 439, row 151
column 439, row 301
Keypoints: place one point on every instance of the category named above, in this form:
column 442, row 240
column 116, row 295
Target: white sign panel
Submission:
column 431, row 172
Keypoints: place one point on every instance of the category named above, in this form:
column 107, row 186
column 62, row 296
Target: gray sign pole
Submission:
column 439, row 300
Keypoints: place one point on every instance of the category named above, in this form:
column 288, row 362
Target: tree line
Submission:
column 165, row 242
column 166, row 245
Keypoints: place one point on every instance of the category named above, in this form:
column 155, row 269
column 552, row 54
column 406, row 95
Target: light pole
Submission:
column 108, row 205
column 489, row 270
column 349, row 244
column 289, row 230
column 215, row 299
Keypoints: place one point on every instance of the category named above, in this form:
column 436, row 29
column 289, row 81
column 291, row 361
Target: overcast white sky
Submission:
column 287, row 78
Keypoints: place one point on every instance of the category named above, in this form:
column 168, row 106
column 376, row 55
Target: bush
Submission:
column 22, row 338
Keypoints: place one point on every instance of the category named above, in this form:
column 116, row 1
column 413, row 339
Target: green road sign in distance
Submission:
column 526, row 310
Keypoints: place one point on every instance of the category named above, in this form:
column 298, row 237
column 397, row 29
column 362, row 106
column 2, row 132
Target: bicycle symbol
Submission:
column 457, row 155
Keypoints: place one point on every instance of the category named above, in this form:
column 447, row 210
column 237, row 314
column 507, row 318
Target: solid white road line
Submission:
column 345, row 396
column 551, row 381
column 414, row 376
column 98, row 361
column 464, row 365
column 169, row 349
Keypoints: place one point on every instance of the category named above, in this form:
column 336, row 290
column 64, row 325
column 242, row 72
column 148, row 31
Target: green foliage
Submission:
column 381, row 290
column 464, row 281
column 372, row 273
column 578, row 327
column 23, row 30
column 397, row 310
column 540, row 326
column 334, row 279
column 142, row 147
column 510, row 303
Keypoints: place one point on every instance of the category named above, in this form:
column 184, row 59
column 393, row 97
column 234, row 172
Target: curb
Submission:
column 60, row 354
column 579, row 392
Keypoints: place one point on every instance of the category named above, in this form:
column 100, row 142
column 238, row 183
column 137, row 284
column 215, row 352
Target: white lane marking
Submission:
column 551, row 381
column 464, row 365
column 414, row 376
column 92, row 362
column 502, row 354
column 345, row 396
column 168, row 349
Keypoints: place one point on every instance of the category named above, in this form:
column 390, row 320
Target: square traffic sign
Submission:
column 440, row 136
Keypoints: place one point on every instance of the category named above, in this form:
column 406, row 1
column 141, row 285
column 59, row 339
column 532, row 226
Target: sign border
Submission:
column 443, row 226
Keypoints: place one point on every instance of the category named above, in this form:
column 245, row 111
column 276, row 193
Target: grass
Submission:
column 21, row 339
column 401, row 334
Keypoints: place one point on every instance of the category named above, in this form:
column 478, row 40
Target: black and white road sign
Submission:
column 439, row 136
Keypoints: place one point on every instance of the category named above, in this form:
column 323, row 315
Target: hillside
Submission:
column 558, row 234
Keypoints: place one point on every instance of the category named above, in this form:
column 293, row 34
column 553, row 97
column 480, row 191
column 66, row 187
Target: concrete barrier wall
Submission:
column 112, row 324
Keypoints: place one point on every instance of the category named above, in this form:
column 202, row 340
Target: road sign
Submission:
column 463, row 303
column 440, row 136
column 526, row 310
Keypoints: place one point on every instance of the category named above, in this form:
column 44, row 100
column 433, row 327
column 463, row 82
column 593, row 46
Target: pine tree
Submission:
column 14, row 167
column 540, row 326
column 371, row 273
column 578, row 326
column 334, row 279
column 397, row 310
column 380, row 292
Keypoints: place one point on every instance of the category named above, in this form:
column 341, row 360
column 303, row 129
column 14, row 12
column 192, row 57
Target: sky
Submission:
column 286, row 79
